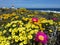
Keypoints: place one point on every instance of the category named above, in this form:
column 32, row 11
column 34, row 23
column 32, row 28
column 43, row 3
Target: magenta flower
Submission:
column 54, row 19
column 41, row 37
column 35, row 19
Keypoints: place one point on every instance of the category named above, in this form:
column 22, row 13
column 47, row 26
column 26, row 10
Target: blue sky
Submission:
column 31, row 3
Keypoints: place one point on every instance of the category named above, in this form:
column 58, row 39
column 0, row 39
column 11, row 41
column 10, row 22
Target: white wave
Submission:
column 49, row 11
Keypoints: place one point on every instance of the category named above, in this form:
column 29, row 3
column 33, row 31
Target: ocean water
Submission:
column 51, row 9
column 54, row 10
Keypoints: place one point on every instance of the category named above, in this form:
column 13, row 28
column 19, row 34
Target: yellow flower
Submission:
column 8, row 25
column 41, row 19
column 59, row 23
column 21, row 43
column 33, row 26
column 44, row 21
column 25, row 19
column 4, row 17
column 2, row 43
column 42, row 29
column 9, row 38
column 7, row 43
column 50, row 31
column 27, row 30
column 20, row 34
column 21, row 38
column 40, row 25
column 30, row 36
column 4, row 31
column 36, row 27
column 10, row 30
column 14, row 21
column 15, row 30
column 13, row 33
column 25, row 42
column 13, row 36
column 32, row 32
column 23, row 32
column 16, row 38
column 28, row 25
column 50, row 21
column 20, row 22
column 0, row 33
column 14, row 25
column 46, row 24
column 25, row 38
column 1, row 38
column 21, row 29
column 16, row 17
column 22, row 12
column 35, row 31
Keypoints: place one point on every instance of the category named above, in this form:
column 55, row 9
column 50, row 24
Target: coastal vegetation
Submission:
column 29, row 27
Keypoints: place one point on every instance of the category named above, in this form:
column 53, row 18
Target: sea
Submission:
column 54, row 10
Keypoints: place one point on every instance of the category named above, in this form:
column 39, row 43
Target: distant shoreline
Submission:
column 53, row 10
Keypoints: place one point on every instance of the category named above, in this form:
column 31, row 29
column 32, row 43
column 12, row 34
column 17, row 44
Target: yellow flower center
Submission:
column 41, row 37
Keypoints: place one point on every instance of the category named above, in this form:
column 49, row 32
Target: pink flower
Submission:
column 41, row 37
column 54, row 19
column 35, row 19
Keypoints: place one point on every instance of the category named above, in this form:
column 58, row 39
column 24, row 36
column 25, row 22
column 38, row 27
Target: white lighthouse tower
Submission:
column 13, row 6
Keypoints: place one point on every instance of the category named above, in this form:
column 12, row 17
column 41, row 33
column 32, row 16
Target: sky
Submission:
column 30, row 3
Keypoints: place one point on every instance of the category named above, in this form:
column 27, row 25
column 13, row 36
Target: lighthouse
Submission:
column 13, row 7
